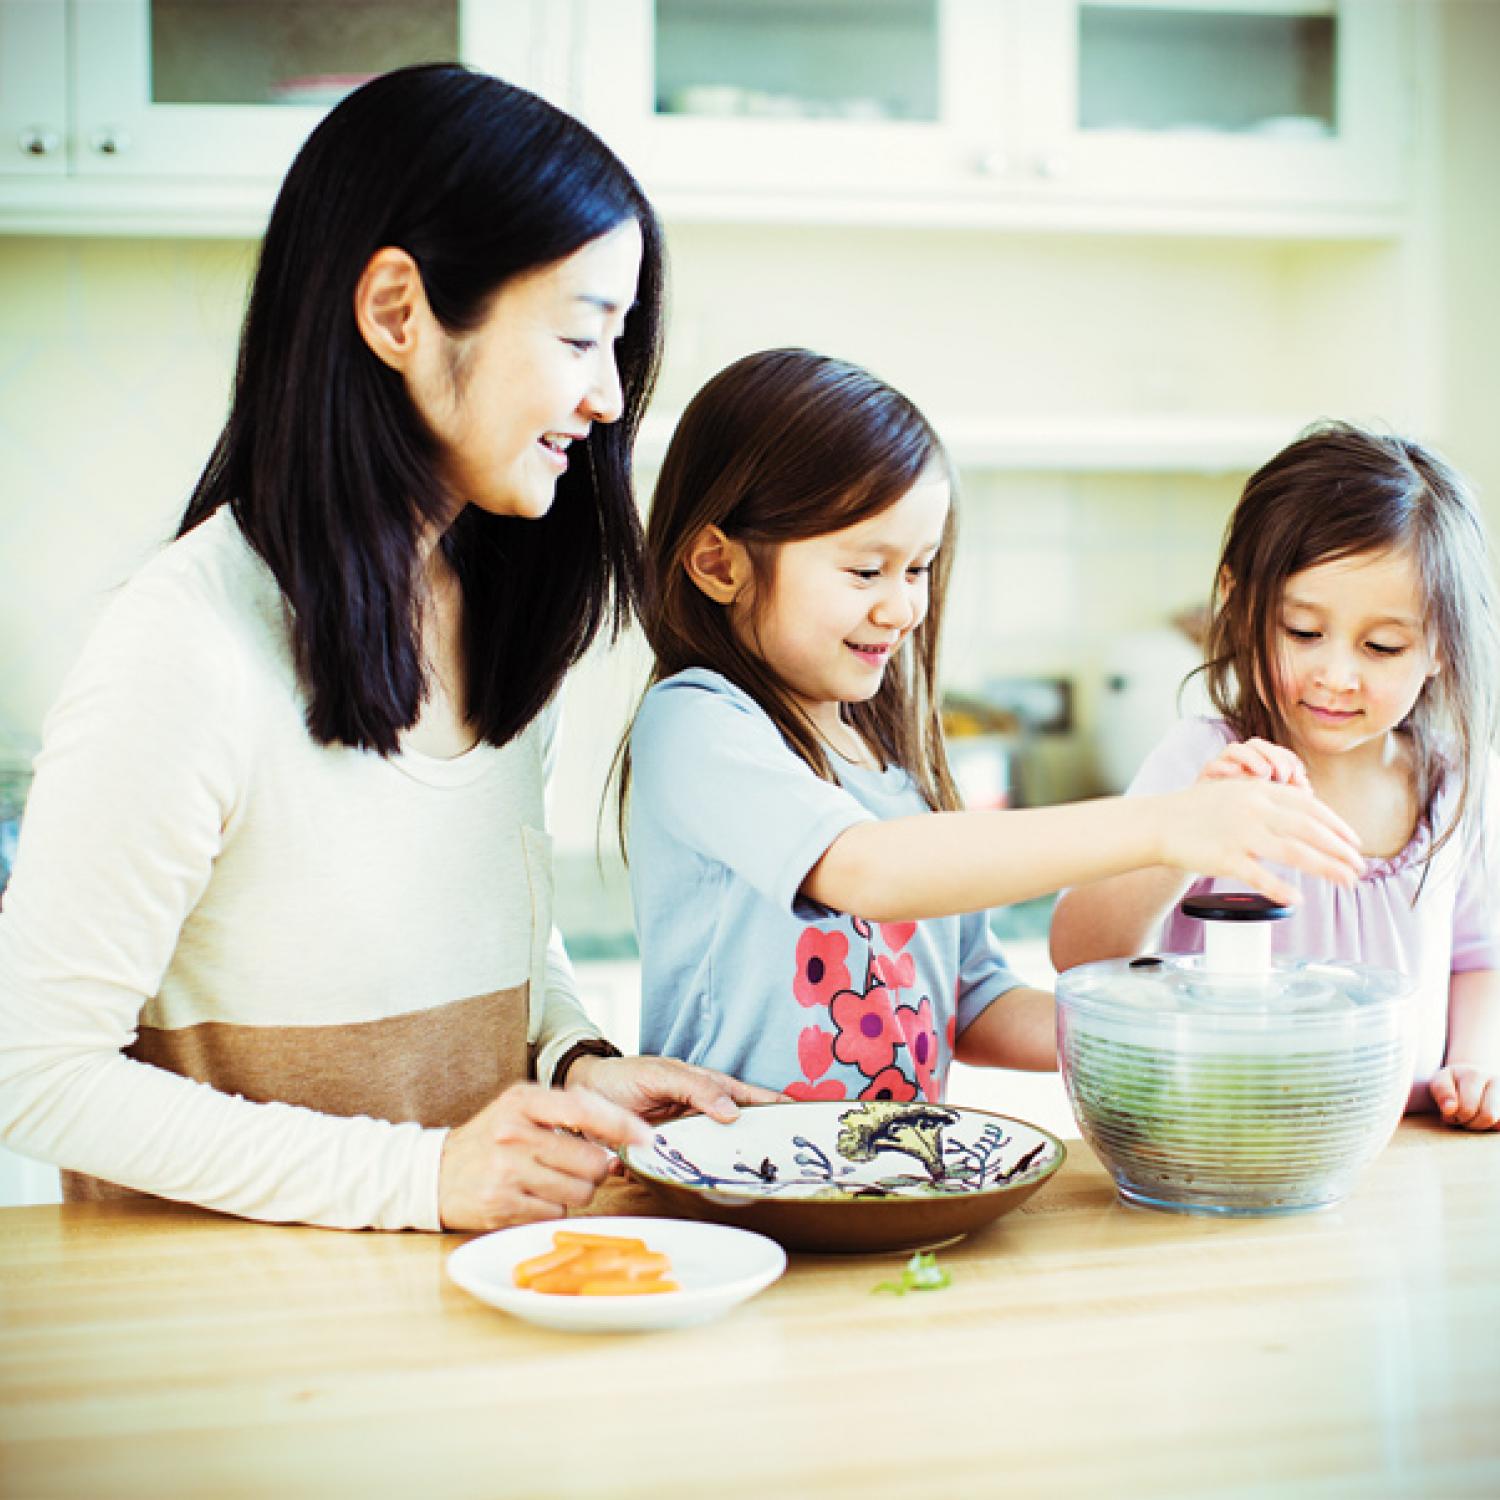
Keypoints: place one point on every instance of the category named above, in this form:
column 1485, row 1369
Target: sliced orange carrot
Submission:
column 624, row 1287
column 582, row 1264
column 540, row 1265
column 563, row 1237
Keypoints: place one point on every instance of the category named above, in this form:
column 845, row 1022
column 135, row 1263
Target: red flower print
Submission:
column 890, row 1083
column 921, row 1044
column 815, row 1051
column 821, row 970
column 897, row 935
column 895, row 971
column 867, row 1029
column 825, row 1088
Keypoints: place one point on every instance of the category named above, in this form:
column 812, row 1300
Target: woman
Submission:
column 279, row 939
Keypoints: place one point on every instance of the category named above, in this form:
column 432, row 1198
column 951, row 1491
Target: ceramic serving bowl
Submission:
column 840, row 1176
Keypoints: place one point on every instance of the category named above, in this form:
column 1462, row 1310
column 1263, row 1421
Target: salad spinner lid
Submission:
column 1235, row 975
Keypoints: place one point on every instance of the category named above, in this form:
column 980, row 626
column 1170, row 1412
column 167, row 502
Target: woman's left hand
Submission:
column 657, row 1088
column 1467, row 1097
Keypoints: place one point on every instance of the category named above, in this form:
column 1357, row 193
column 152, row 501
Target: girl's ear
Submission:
column 718, row 564
column 390, row 307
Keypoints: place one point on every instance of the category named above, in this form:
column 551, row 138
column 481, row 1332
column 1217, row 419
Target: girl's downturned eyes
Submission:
column 1381, row 650
column 869, row 575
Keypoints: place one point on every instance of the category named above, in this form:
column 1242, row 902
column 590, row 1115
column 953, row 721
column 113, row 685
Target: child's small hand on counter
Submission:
column 1467, row 1097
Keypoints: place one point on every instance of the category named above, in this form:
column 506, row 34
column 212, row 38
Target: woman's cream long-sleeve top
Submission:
column 245, row 970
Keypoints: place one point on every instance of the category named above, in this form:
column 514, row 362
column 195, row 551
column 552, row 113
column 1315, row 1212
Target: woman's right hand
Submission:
column 1232, row 829
column 521, row 1158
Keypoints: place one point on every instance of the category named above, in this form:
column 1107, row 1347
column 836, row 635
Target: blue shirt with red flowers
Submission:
column 740, row 972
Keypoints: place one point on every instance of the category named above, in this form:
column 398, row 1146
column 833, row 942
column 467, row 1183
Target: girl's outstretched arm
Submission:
column 935, row 864
column 1466, row 1090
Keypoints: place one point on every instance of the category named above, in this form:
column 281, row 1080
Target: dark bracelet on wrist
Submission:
column 591, row 1047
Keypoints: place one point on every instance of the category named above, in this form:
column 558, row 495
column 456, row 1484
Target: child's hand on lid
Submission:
column 1467, row 1097
column 1258, row 758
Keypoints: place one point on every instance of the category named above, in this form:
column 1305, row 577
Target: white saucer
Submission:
column 716, row 1267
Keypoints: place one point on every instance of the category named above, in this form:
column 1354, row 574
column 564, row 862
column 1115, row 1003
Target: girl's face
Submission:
column 513, row 401
column 838, row 606
column 1353, row 651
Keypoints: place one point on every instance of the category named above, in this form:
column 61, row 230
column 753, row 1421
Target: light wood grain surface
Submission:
column 1084, row 1349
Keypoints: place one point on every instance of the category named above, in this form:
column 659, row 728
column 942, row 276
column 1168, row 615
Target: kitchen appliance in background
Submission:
column 1146, row 689
column 990, row 735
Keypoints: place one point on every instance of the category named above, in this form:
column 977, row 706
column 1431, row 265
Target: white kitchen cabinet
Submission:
column 182, row 116
column 1004, row 111
column 33, row 89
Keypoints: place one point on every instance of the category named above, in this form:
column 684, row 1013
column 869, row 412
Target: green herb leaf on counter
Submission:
column 921, row 1273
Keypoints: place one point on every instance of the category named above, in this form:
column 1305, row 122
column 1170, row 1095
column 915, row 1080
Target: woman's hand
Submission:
column 1258, row 758
column 1468, row 1098
column 1233, row 828
column 657, row 1088
column 521, row 1157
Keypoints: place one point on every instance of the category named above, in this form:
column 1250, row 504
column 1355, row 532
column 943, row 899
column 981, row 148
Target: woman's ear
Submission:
column 390, row 307
column 719, row 565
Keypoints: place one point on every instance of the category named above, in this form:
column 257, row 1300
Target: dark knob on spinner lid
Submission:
column 1237, row 934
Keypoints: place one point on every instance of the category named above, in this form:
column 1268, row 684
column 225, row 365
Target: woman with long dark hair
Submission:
column 279, row 937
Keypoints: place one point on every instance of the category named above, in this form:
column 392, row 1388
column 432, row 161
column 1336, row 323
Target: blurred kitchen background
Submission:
column 1119, row 253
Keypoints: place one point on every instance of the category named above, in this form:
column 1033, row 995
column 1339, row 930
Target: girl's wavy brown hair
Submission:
column 1338, row 492
column 780, row 446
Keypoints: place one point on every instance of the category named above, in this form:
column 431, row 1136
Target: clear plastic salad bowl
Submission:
column 1228, row 1083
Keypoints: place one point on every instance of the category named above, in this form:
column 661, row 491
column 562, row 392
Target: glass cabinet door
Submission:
column 790, row 95
column 33, row 88
column 1243, row 100
column 230, row 88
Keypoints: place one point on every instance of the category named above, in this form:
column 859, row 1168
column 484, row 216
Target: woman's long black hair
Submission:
column 328, row 468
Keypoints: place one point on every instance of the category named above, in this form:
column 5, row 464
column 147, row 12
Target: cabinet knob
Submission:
column 1050, row 165
column 37, row 140
column 991, row 163
column 109, row 141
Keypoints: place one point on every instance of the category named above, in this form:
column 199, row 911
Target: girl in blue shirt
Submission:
column 810, row 902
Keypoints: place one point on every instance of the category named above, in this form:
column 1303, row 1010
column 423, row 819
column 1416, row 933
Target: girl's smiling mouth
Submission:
column 1331, row 715
column 874, row 655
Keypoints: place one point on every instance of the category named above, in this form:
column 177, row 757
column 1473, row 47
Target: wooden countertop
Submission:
column 1084, row 1349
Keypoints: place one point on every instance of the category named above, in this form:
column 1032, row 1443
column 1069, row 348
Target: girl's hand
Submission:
column 520, row 1158
column 1233, row 829
column 1468, row 1098
column 1259, row 758
column 657, row 1088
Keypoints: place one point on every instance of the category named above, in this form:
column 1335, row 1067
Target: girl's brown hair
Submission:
column 1341, row 492
column 783, row 445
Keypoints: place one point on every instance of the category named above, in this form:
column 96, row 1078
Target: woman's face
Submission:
column 513, row 401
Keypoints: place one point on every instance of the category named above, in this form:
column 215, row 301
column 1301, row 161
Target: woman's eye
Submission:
column 582, row 346
column 919, row 572
column 866, row 575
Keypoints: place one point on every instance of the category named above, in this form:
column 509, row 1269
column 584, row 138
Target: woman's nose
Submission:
column 605, row 399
